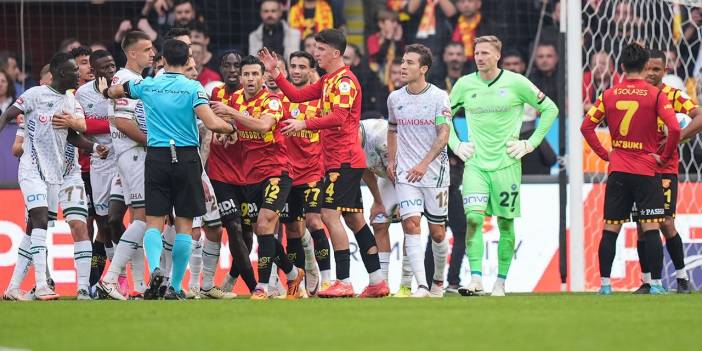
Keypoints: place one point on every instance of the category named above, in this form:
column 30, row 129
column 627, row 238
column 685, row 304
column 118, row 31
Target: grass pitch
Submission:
column 521, row 322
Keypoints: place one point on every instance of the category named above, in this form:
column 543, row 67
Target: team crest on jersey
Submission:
column 274, row 181
column 90, row 105
column 344, row 87
column 295, row 112
column 502, row 92
column 666, row 183
column 274, row 104
column 115, row 80
column 312, row 184
column 51, row 104
column 333, row 176
column 43, row 119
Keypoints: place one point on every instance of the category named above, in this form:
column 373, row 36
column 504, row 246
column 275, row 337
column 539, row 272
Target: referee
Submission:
column 173, row 168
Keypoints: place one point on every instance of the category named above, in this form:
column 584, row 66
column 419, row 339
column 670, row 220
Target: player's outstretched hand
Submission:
column 220, row 109
column 225, row 139
column 101, row 150
column 516, row 149
column 465, row 151
column 416, row 173
column 208, row 194
column 62, row 121
column 269, row 59
column 102, row 84
column 292, row 126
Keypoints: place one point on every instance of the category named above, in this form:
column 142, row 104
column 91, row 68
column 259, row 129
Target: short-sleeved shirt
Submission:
column 340, row 145
column 44, row 146
column 97, row 107
column 632, row 109
column 170, row 101
column 681, row 104
column 263, row 154
column 415, row 117
column 374, row 139
column 494, row 112
column 226, row 164
column 126, row 108
column 304, row 148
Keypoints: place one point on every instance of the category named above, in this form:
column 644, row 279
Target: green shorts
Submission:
column 494, row 192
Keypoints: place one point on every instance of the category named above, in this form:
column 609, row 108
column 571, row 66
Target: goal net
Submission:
column 672, row 27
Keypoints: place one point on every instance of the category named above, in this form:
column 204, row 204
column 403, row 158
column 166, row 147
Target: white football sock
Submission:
column 384, row 258
column 440, row 250
column 308, row 248
column 656, row 282
column 195, row 265
column 138, row 268
column 132, row 238
column 210, row 259
column 375, row 277
column 82, row 256
column 110, row 252
column 167, row 254
column 406, row 279
column 24, row 259
column 326, row 276
column 604, row 281
column 646, row 277
column 415, row 254
column 38, row 249
column 681, row 274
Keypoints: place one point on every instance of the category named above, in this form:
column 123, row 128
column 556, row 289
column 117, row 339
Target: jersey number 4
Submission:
column 630, row 107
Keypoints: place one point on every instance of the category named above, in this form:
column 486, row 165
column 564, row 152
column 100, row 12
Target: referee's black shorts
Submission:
column 174, row 186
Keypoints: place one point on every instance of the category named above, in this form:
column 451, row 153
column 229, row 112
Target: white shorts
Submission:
column 414, row 201
column 131, row 172
column 387, row 191
column 35, row 191
column 102, row 188
column 72, row 199
column 211, row 218
column 117, row 190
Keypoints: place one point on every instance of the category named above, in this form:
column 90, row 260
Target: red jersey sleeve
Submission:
column 665, row 110
column 592, row 119
column 310, row 92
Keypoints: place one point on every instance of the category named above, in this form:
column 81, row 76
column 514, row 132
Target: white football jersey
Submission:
column 126, row 108
column 415, row 117
column 97, row 107
column 44, row 146
column 374, row 134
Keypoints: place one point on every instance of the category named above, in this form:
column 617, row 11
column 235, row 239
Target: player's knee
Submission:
column 650, row 226
column 79, row 230
column 475, row 219
column 668, row 227
column 314, row 221
column 411, row 223
column 330, row 217
column 505, row 225
column 39, row 217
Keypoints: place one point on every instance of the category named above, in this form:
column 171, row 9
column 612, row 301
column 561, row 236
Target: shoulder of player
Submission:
column 395, row 94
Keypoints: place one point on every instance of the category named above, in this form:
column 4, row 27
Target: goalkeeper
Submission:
column 494, row 100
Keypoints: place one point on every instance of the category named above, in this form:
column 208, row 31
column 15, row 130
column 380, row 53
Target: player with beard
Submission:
column 304, row 206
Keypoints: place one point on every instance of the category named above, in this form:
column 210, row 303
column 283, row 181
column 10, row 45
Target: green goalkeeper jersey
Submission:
column 494, row 113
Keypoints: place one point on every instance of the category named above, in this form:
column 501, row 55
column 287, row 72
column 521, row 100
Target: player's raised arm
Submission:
column 593, row 118
column 665, row 110
column 307, row 93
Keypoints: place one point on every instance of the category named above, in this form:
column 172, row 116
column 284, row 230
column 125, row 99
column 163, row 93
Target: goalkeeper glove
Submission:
column 465, row 151
column 516, row 149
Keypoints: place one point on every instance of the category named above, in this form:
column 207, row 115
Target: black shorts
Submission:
column 626, row 189
column 342, row 189
column 669, row 184
column 270, row 194
column 229, row 200
column 303, row 199
column 174, row 186
column 88, row 193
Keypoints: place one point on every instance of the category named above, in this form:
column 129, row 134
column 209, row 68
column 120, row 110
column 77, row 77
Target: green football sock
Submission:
column 474, row 242
column 505, row 247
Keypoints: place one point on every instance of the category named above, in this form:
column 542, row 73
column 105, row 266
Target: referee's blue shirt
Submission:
column 170, row 100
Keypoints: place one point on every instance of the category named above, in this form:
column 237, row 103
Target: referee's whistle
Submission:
column 174, row 156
